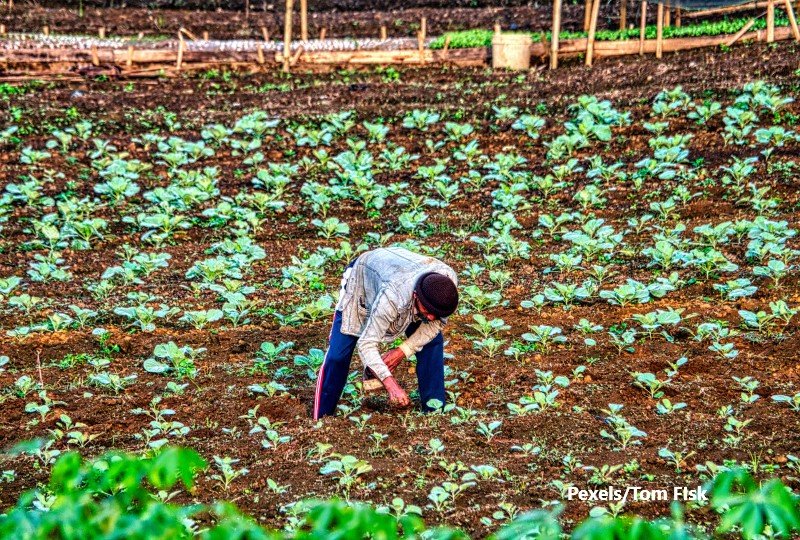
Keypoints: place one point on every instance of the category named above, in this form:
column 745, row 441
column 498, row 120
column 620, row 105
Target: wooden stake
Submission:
column 322, row 33
column 660, row 30
column 141, row 35
column 728, row 9
column 446, row 46
column 423, row 31
column 497, row 27
column 304, row 20
column 264, row 33
column 129, row 61
column 260, row 53
column 287, row 35
column 642, row 25
column 187, row 33
column 101, row 32
column 623, row 14
column 592, row 32
column 545, row 51
column 296, row 56
column 792, row 20
column 556, row 30
column 771, row 21
column 2, row 29
column 587, row 15
column 383, row 32
column 46, row 30
column 205, row 35
column 95, row 58
column 246, row 9
column 738, row 35
column 179, row 61
column 667, row 16
column 678, row 17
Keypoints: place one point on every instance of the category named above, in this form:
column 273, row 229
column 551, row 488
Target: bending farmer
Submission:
column 387, row 292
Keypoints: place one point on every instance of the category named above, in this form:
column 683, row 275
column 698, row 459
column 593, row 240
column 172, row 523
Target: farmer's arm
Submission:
column 381, row 316
column 424, row 334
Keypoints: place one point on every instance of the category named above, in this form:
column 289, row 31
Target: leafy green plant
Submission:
column 792, row 401
column 750, row 507
column 489, row 430
column 420, row 119
column 142, row 315
column 269, row 353
column 665, row 406
column 331, row 227
column 623, row 433
column 488, row 328
column 544, row 336
column 650, row 383
column 201, row 318
column 227, row 472
column 169, row 357
column 348, row 469
column 112, row 381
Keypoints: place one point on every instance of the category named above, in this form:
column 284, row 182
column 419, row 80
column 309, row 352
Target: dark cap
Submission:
column 437, row 293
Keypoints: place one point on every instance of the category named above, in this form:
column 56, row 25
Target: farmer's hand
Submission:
column 397, row 396
column 393, row 358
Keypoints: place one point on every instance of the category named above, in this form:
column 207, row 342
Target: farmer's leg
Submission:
column 332, row 375
column 335, row 368
column 430, row 370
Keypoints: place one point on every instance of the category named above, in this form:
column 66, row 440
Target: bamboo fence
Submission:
column 143, row 62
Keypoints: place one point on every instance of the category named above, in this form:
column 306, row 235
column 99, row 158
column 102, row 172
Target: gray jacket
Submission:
column 376, row 304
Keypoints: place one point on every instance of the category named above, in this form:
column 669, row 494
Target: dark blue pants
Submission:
column 332, row 376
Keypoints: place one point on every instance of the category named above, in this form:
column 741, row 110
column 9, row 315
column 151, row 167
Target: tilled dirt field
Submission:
column 313, row 5
column 129, row 22
column 216, row 402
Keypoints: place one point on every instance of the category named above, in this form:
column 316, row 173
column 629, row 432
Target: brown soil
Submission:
column 218, row 397
column 313, row 5
column 129, row 22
